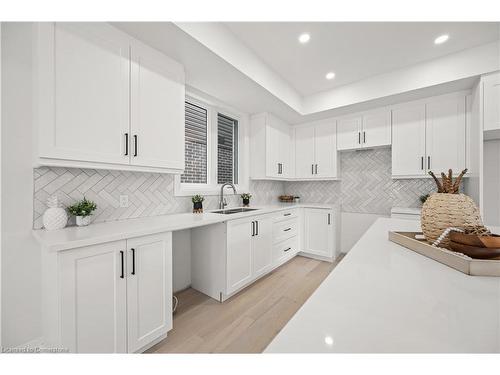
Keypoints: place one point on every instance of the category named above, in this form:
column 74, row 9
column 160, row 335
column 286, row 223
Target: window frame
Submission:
column 213, row 108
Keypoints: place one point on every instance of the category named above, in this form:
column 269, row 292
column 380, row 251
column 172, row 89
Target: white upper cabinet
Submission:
column 491, row 102
column 372, row 129
column 315, row 151
column 270, row 154
column 83, row 92
column 349, row 133
column 157, row 109
column 445, row 135
column 85, row 82
column 429, row 136
column 408, row 141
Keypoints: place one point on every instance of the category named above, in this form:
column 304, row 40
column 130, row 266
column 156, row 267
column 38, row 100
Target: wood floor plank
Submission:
column 248, row 321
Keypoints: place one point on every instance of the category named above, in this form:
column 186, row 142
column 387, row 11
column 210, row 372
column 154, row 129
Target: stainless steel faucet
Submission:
column 222, row 200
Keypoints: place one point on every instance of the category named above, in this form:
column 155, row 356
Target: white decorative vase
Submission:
column 55, row 217
column 83, row 221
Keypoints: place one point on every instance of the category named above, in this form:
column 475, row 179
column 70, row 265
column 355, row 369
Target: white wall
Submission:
column 491, row 189
column 20, row 255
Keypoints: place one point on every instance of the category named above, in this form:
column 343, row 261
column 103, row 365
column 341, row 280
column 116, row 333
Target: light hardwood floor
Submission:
column 247, row 322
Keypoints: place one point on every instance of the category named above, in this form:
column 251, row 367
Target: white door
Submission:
column 93, row 299
column 349, row 133
column 157, row 110
column 262, row 246
column 408, row 141
column 149, row 289
column 273, row 140
column 376, row 129
column 318, row 232
column 83, row 92
column 325, row 150
column 445, row 135
column 304, row 152
column 239, row 254
column 491, row 99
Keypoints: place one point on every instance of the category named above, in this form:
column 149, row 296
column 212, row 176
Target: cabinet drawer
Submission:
column 286, row 215
column 285, row 250
column 283, row 230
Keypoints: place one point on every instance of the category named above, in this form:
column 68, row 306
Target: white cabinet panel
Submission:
column 149, row 289
column 93, row 299
column 304, row 151
column 325, row 150
column 491, row 100
column 319, row 232
column 408, row 140
column 376, row 129
column 262, row 242
column 349, row 133
column 157, row 110
column 445, row 135
column 239, row 254
column 84, row 92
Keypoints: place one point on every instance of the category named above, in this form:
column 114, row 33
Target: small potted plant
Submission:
column 82, row 210
column 197, row 203
column 246, row 199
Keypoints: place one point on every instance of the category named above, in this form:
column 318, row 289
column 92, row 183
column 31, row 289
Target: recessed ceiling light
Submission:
column 304, row 38
column 330, row 75
column 441, row 39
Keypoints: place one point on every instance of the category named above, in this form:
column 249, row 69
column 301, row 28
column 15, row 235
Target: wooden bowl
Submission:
column 492, row 241
column 476, row 252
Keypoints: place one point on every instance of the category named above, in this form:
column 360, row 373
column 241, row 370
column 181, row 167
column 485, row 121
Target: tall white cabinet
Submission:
column 429, row 136
column 105, row 100
column 114, row 297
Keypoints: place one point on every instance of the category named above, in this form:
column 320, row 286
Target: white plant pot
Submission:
column 83, row 221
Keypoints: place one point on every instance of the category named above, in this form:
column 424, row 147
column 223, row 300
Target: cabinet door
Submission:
column 93, row 299
column 239, row 254
column 285, row 150
column 83, row 92
column 349, row 133
column 445, row 135
column 262, row 246
column 376, row 129
column 408, row 141
column 318, row 232
column 273, row 140
column 491, row 100
column 304, row 152
column 325, row 150
column 157, row 110
column 149, row 289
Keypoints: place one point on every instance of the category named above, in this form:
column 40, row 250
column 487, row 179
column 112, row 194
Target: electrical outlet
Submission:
column 123, row 200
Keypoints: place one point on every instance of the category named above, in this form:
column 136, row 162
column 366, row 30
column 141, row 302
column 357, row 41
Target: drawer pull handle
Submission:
column 287, row 229
column 287, row 249
column 288, row 214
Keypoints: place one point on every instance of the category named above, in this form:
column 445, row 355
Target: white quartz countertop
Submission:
column 383, row 297
column 73, row 237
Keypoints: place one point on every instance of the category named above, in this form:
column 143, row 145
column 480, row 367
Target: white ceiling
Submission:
column 353, row 50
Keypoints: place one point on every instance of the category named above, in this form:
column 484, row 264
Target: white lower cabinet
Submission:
column 319, row 233
column 113, row 297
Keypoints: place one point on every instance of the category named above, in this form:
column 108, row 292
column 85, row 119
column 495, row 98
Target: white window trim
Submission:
column 214, row 107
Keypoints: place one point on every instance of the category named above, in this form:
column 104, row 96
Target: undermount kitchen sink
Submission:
column 234, row 210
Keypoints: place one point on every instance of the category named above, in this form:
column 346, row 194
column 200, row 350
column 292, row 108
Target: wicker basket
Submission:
column 443, row 210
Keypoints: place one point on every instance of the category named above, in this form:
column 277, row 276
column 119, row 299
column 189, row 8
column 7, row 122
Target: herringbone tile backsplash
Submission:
column 366, row 186
column 149, row 194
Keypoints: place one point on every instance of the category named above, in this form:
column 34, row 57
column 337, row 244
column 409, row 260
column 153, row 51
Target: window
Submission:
column 195, row 171
column 227, row 149
column 212, row 149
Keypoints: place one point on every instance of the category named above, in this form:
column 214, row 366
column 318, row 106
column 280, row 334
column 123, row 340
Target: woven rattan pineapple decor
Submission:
column 448, row 208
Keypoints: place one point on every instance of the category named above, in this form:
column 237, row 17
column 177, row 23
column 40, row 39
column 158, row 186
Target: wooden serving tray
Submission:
column 460, row 262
